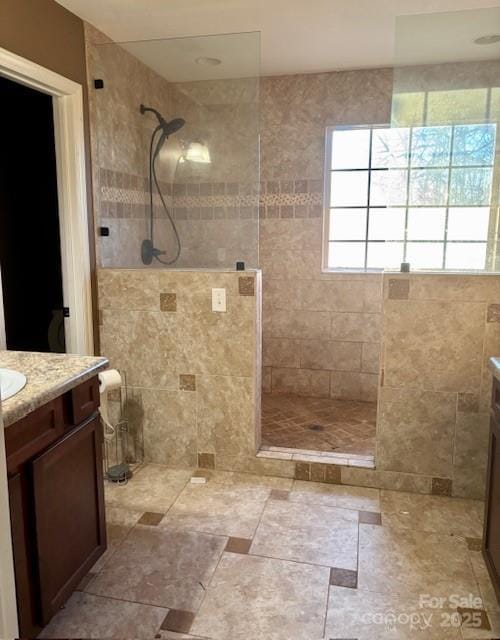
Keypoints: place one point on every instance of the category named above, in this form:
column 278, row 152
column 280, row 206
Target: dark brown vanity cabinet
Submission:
column 491, row 541
column 54, row 461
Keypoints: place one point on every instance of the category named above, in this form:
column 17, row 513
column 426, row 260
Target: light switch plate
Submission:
column 219, row 300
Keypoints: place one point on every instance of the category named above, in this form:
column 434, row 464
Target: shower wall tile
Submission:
column 128, row 290
column 471, row 455
column 226, row 414
column 296, row 109
column 302, row 382
column 433, row 357
column 140, row 343
column 370, row 357
column 323, row 354
column 425, row 424
column 434, row 402
column 356, row 327
column 194, row 370
column 298, row 296
column 169, row 427
column 350, row 385
column 281, row 352
column 300, row 324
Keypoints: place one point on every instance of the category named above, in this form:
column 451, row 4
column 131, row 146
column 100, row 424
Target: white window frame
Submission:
column 327, row 197
column 327, row 208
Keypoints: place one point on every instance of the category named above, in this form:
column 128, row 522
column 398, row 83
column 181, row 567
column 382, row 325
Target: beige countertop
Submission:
column 494, row 366
column 49, row 375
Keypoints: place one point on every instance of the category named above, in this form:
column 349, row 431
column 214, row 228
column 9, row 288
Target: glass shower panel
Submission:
column 446, row 102
column 178, row 177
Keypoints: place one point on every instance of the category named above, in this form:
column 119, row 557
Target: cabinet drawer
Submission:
column 31, row 434
column 85, row 400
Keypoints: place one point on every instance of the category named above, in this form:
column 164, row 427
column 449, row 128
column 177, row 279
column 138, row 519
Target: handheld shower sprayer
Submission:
column 166, row 129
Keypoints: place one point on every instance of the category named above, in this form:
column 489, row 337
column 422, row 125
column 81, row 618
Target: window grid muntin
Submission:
column 407, row 205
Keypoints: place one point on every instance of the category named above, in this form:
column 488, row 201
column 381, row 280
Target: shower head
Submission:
column 168, row 128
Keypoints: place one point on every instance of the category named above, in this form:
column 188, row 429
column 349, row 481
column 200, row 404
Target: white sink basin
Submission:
column 11, row 382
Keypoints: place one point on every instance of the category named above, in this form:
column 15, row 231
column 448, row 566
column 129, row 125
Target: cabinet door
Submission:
column 492, row 521
column 69, row 513
column 22, row 547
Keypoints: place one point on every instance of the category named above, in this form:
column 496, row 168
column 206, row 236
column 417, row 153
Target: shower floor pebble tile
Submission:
column 279, row 584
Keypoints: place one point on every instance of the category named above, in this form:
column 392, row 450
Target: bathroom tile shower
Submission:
column 330, row 340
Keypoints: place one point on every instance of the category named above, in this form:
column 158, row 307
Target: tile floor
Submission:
column 253, row 558
column 319, row 424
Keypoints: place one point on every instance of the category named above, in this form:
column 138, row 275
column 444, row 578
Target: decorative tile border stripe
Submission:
column 124, row 195
column 216, row 201
column 294, row 199
column 131, row 196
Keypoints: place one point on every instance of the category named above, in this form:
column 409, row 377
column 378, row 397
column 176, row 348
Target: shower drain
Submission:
column 316, row 427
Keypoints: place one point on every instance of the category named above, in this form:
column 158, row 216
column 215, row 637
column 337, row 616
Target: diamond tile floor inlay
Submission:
column 249, row 558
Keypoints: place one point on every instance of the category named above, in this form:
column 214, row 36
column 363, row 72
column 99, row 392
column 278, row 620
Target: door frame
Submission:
column 67, row 99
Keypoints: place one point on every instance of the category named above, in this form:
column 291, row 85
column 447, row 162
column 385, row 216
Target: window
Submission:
column 411, row 194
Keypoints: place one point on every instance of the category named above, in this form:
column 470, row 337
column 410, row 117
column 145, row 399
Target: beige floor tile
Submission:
column 153, row 488
column 119, row 522
column 253, row 598
column 223, row 509
column 160, row 567
column 404, row 561
column 377, row 616
column 308, row 533
column 90, row 616
column 435, row 514
column 329, row 495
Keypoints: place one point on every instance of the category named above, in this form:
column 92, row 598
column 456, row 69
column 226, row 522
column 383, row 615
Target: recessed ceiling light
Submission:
column 488, row 39
column 208, row 62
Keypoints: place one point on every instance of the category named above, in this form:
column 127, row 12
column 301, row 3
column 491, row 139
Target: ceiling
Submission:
column 300, row 36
